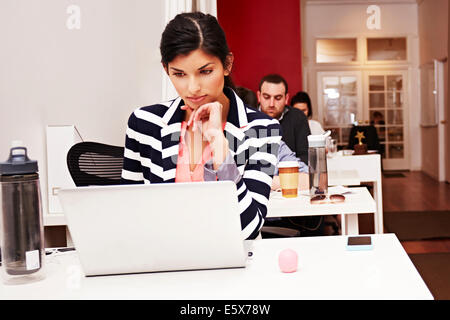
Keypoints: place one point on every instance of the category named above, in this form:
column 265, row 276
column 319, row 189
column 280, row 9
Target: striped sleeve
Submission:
column 260, row 148
column 132, row 172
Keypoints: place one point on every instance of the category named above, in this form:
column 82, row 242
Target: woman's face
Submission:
column 198, row 77
column 302, row 106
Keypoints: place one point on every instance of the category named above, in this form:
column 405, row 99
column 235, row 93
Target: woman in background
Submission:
column 302, row 102
column 207, row 133
column 247, row 96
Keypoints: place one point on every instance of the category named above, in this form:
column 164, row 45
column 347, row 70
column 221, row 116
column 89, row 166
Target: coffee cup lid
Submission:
column 288, row 164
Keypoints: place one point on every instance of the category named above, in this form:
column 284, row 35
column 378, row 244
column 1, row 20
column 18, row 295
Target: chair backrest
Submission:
column 93, row 163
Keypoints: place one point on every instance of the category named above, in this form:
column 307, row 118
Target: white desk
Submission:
column 358, row 201
column 386, row 272
column 369, row 170
column 343, row 178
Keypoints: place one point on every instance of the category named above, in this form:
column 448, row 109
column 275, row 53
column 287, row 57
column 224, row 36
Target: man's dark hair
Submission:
column 273, row 78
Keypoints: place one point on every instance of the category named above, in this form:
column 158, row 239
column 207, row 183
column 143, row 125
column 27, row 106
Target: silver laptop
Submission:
column 156, row 227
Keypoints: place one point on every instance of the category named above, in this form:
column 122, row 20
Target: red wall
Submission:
column 264, row 36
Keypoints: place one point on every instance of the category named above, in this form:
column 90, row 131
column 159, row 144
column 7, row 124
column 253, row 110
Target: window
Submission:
column 340, row 102
column 386, row 49
column 386, row 107
column 336, row 50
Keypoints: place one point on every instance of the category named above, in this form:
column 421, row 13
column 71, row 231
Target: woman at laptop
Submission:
column 207, row 133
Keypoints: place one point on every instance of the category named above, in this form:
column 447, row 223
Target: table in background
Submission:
column 369, row 170
column 357, row 201
column 326, row 271
column 343, row 178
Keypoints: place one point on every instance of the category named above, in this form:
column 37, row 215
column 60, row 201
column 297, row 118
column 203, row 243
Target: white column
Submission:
column 207, row 6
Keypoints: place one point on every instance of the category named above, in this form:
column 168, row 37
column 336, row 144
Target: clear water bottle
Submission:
column 317, row 163
column 22, row 232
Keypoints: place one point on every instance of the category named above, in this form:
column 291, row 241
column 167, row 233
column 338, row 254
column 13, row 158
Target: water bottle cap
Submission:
column 318, row 140
column 18, row 161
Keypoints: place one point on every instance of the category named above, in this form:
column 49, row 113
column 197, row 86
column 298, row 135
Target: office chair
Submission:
column 93, row 163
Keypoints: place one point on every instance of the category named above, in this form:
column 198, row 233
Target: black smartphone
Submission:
column 359, row 243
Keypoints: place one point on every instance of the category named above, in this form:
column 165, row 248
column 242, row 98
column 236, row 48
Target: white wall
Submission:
column 348, row 19
column 447, row 115
column 93, row 77
column 433, row 34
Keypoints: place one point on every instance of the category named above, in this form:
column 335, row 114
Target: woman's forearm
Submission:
column 219, row 148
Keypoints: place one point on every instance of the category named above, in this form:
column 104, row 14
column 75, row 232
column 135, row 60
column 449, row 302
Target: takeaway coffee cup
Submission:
column 288, row 171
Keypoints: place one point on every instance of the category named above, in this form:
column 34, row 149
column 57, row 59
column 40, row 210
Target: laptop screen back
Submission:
column 156, row 227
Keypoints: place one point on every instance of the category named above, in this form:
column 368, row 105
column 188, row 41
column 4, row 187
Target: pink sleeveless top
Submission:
column 183, row 171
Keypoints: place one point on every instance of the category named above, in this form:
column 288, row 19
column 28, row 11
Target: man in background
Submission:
column 273, row 99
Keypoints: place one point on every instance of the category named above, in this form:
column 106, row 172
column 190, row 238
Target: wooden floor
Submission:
column 417, row 192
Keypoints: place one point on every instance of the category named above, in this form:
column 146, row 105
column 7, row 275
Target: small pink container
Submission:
column 288, row 260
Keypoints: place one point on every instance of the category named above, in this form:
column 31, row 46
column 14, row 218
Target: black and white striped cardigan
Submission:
column 152, row 142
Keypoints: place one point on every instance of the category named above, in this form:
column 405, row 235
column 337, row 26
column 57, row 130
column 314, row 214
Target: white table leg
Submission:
column 343, row 224
column 349, row 224
column 69, row 242
column 378, row 215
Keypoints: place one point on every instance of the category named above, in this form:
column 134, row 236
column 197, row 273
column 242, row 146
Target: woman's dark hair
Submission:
column 302, row 97
column 190, row 31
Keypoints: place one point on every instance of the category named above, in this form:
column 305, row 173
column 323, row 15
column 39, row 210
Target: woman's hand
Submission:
column 208, row 118
column 210, row 115
column 276, row 183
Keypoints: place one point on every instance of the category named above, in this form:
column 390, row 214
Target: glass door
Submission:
column 340, row 103
column 385, row 97
column 345, row 99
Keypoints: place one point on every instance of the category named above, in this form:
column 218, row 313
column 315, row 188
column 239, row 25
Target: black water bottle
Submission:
column 22, row 232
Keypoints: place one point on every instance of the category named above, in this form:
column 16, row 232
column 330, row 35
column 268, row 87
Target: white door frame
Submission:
column 440, row 102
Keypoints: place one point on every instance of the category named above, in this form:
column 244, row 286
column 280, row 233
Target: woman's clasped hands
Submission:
column 208, row 119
